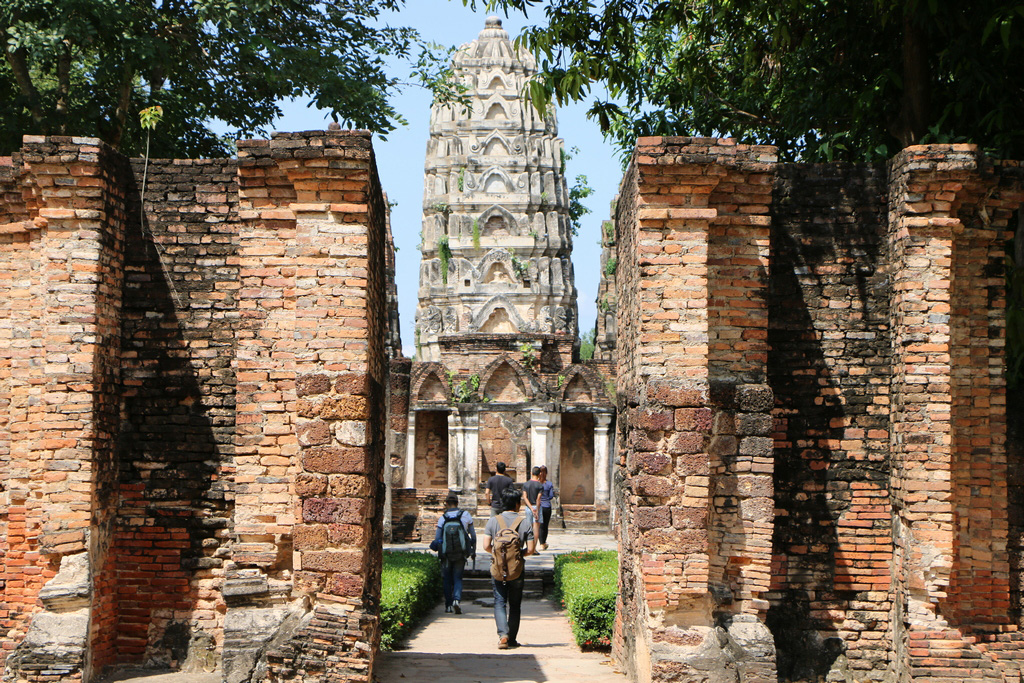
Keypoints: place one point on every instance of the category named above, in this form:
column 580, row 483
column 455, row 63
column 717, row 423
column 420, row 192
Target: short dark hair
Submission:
column 510, row 498
column 500, row 467
column 536, row 470
column 452, row 499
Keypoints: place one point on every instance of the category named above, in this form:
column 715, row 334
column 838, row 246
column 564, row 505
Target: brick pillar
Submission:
column 694, row 486
column 311, row 433
column 948, row 213
column 64, row 385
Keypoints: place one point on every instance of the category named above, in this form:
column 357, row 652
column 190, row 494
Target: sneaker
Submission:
column 457, row 607
column 447, row 609
column 503, row 643
column 513, row 643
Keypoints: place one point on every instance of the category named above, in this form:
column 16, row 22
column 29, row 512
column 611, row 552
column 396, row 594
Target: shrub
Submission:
column 586, row 583
column 410, row 587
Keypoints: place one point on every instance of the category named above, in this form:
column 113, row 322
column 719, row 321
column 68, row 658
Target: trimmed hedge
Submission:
column 410, row 587
column 586, row 583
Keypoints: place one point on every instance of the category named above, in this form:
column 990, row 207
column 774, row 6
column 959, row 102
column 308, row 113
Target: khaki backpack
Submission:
column 506, row 551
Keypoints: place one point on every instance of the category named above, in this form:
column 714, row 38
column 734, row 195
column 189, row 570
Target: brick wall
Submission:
column 830, row 347
column 178, row 340
column 126, row 345
column 832, row 402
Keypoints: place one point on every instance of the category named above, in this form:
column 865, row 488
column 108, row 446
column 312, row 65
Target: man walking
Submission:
column 508, row 537
column 496, row 485
column 455, row 542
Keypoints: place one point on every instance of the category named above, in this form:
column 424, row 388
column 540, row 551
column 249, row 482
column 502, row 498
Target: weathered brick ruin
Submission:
column 497, row 375
column 199, row 392
column 813, row 479
column 191, row 473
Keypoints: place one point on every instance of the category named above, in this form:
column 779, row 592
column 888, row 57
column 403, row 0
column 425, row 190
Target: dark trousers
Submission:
column 545, row 519
column 508, row 601
column 451, row 581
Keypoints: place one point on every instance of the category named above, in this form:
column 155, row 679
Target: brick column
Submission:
column 948, row 213
column 695, row 463
column 312, row 372
column 64, row 403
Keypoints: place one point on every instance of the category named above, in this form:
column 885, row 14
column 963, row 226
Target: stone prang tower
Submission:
column 496, row 229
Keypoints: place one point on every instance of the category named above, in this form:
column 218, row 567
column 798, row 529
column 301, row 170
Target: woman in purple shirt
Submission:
column 547, row 493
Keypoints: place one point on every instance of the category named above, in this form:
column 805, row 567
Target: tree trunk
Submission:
column 914, row 116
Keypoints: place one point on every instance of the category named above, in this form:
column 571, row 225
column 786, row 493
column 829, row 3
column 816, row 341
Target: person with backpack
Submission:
column 455, row 542
column 509, row 538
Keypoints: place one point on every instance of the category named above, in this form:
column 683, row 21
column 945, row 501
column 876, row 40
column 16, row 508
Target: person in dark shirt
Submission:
column 496, row 484
column 531, row 496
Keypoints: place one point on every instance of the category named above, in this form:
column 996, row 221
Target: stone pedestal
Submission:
column 463, row 446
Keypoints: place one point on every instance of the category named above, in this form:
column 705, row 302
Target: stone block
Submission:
column 650, row 485
column 675, row 540
column 757, row 509
column 350, row 561
column 654, row 420
column 349, row 486
column 334, row 510
column 310, row 385
column 762, row 446
column 675, row 394
column 335, row 459
column 650, row 463
column 753, row 424
column 689, row 517
column 315, row 433
column 347, row 534
column 722, row 445
column 653, row 517
column 308, row 485
column 693, row 419
column 755, row 398
column 352, row 383
column 309, row 537
column 686, row 443
column 693, row 464
column 346, row 585
column 345, row 408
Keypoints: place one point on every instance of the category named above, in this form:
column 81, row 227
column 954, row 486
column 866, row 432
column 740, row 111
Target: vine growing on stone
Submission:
column 476, row 234
column 528, row 353
column 444, row 252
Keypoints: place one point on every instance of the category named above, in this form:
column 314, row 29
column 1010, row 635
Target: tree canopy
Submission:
column 88, row 67
column 821, row 79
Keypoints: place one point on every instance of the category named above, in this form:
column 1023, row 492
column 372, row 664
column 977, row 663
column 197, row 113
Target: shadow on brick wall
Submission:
column 176, row 447
column 828, row 340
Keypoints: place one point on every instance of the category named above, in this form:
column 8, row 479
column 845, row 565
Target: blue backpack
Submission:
column 455, row 543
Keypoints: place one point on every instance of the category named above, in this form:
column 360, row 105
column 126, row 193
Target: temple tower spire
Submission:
column 496, row 238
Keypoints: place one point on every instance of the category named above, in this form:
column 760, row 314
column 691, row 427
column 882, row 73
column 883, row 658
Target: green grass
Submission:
column 586, row 584
column 410, row 587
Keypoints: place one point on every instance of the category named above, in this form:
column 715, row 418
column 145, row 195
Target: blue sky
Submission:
column 400, row 158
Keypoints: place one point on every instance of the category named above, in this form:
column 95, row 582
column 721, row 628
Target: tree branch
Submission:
column 124, row 100
column 19, row 65
column 63, row 85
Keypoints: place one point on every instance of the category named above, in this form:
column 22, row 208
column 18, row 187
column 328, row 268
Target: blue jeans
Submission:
column 451, row 581
column 508, row 600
